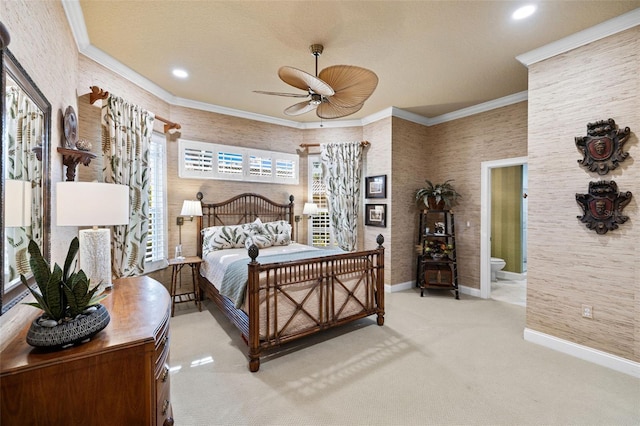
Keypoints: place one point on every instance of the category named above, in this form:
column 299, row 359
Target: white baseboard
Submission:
column 475, row 292
column 512, row 276
column 398, row 287
column 586, row 353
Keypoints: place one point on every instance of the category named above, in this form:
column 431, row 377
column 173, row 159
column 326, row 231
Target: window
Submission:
column 156, row 252
column 321, row 233
column 203, row 160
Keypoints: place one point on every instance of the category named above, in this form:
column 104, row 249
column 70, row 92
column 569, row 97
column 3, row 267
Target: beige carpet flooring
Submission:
column 436, row 361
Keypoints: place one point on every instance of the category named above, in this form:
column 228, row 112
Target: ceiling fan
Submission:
column 338, row 91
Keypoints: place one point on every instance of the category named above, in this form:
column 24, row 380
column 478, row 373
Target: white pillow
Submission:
column 280, row 232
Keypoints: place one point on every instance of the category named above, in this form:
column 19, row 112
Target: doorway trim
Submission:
column 485, row 218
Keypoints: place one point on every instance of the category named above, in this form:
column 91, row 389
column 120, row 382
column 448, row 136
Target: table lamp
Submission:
column 93, row 204
column 17, row 203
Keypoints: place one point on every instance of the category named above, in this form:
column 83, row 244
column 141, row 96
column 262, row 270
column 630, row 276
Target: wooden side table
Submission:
column 177, row 265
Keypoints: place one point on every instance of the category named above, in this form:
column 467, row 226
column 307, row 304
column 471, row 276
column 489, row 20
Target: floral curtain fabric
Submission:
column 25, row 129
column 342, row 163
column 126, row 135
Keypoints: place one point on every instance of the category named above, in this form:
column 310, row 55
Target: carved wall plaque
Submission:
column 602, row 147
column 602, row 206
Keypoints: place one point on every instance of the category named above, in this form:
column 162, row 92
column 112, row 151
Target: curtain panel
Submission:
column 24, row 120
column 126, row 136
column 342, row 164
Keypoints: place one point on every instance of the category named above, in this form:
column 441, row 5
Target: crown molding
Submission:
column 76, row 21
column 597, row 32
column 483, row 107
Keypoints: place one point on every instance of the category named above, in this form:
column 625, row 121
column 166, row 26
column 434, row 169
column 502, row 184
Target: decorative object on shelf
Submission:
column 83, row 145
column 438, row 249
column 436, row 263
column 376, row 186
column 602, row 147
column 71, row 158
column 376, row 215
column 72, row 312
column 70, row 127
column 438, row 196
column 602, row 206
column 93, row 204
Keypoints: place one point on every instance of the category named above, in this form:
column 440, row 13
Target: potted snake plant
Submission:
column 71, row 309
column 437, row 196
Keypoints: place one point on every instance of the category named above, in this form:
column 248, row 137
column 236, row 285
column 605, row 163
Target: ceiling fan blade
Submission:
column 304, row 81
column 352, row 85
column 300, row 108
column 329, row 110
column 290, row 95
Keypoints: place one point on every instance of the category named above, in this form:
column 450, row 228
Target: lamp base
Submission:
column 95, row 257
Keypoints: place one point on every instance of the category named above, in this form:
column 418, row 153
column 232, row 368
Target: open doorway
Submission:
column 517, row 279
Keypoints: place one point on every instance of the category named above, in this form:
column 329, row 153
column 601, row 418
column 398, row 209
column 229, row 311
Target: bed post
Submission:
column 380, row 279
column 254, row 300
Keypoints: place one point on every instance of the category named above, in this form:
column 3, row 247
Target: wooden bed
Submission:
column 331, row 283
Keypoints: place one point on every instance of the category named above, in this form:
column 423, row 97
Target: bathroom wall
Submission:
column 506, row 216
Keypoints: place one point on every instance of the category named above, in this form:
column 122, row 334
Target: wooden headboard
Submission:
column 243, row 208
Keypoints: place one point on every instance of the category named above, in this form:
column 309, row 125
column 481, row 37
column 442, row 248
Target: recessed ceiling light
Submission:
column 524, row 12
column 180, row 73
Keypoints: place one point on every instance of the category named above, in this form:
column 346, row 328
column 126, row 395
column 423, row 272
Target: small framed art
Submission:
column 376, row 186
column 376, row 215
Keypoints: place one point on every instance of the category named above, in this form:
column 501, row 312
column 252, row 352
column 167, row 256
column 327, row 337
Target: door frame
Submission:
column 485, row 218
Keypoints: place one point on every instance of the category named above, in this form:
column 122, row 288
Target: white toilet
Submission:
column 496, row 265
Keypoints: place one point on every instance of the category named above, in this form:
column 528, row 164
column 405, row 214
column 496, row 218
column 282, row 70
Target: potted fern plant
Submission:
column 71, row 309
column 437, row 196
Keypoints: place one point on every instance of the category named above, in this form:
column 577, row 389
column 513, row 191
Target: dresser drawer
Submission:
column 164, row 411
column 162, row 344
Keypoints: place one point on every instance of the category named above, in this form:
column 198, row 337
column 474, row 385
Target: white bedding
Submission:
column 216, row 262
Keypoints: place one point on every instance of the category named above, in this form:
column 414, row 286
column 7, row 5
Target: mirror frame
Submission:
column 12, row 68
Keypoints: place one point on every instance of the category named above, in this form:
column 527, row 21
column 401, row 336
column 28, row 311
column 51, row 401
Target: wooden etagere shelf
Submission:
column 437, row 273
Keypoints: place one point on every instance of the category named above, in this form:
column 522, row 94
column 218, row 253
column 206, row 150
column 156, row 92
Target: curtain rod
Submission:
column 98, row 93
column 310, row 145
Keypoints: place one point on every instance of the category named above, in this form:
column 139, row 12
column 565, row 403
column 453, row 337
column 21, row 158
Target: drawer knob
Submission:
column 165, row 340
column 165, row 374
column 165, row 407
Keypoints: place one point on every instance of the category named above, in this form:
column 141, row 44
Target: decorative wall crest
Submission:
column 602, row 206
column 602, row 147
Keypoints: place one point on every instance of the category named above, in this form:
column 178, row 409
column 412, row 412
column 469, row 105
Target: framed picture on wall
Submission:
column 376, row 186
column 376, row 215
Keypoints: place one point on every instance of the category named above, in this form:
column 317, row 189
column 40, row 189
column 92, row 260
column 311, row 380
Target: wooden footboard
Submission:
column 344, row 288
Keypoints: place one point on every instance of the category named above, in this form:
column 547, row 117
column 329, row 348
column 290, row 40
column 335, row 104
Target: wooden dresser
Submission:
column 120, row 377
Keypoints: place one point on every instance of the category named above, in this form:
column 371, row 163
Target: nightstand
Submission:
column 177, row 264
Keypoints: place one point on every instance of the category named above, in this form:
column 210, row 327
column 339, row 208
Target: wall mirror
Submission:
column 26, row 195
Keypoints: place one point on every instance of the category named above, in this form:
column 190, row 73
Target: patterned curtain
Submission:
column 25, row 129
column 342, row 164
column 126, row 135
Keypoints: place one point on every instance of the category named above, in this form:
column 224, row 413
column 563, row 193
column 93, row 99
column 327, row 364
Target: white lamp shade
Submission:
column 310, row 208
column 191, row 208
column 92, row 204
column 17, row 197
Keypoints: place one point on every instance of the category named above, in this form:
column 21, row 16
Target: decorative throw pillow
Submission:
column 280, row 232
column 260, row 240
column 222, row 237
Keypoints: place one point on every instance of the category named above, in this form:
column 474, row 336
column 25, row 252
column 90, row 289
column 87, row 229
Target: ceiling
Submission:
column 431, row 57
